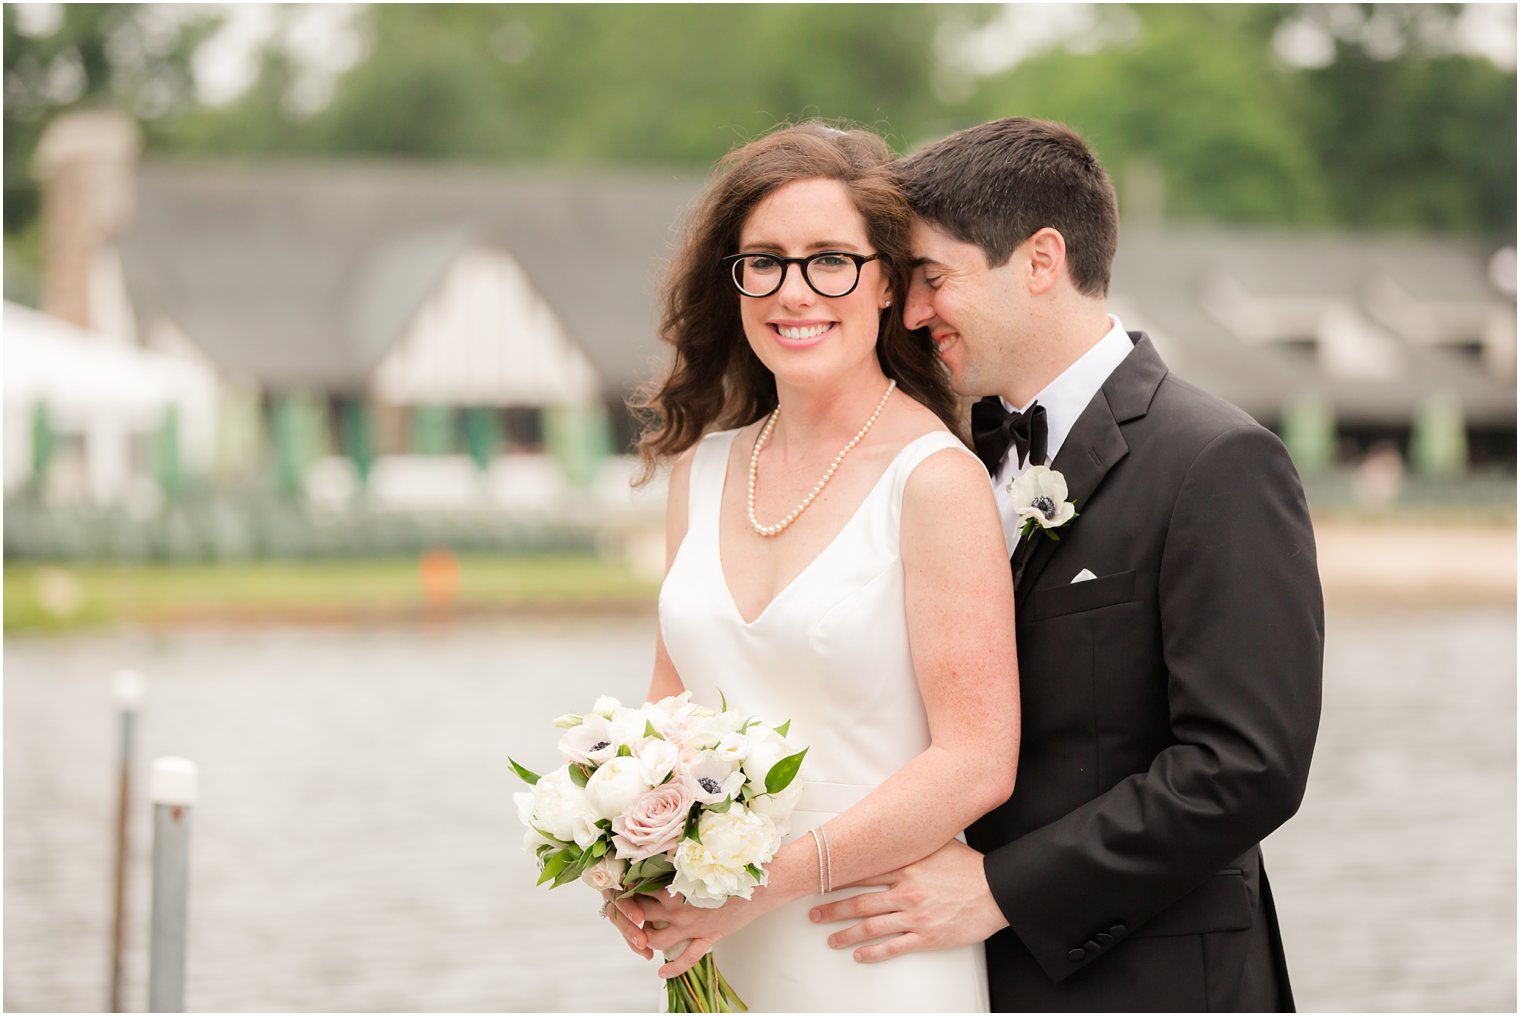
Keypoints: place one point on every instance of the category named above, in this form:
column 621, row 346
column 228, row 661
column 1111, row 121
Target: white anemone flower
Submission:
column 1039, row 498
column 591, row 742
column 712, row 777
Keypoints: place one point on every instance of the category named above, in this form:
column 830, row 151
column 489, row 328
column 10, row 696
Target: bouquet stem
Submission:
column 702, row 989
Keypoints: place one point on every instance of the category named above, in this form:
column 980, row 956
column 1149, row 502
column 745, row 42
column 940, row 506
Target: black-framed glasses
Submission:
column 827, row 273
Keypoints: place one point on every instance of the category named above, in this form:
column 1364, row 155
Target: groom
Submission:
column 1169, row 644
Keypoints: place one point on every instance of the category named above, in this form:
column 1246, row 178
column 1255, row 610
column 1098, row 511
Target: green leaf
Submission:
column 784, row 728
column 691, row 824
column 723, row 701
column 649, row 730
column 554, row 865
column 579, row 774
column 784, row 772
column 722, row 806
column 529, row 776
column 755, row 871
column 599, row 849
column 624, row 751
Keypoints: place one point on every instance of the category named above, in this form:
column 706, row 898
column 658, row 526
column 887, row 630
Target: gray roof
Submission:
column 1162, row 275
column 305, row 275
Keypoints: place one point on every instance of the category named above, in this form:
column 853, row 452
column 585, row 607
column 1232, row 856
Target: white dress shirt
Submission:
column 1064, row 400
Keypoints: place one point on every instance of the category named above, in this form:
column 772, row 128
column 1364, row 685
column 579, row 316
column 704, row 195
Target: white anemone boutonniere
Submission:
column 1039, row 497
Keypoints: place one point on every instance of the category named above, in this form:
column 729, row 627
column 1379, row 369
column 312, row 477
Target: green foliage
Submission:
column 784, row 772
column 528, row 776
column 1191, row 107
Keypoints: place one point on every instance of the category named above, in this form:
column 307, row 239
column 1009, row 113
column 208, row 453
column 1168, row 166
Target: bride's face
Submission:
column 805, row 338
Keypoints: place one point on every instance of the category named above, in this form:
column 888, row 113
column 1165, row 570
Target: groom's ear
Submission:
column 1045, row 254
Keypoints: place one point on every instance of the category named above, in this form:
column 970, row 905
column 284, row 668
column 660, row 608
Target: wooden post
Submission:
column 129, row 696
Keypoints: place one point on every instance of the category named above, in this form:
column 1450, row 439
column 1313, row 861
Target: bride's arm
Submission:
column 959, row 603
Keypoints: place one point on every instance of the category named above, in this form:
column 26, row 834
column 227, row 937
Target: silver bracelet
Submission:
column 822, row 888
column 828, row 856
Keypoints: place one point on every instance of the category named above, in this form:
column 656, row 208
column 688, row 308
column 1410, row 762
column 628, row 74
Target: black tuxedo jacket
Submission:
column 1169, row 711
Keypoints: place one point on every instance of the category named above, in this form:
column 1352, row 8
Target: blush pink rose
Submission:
column 653, row 823
column 674, row 729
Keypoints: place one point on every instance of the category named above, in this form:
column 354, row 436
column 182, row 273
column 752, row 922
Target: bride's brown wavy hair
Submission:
column 715, row 381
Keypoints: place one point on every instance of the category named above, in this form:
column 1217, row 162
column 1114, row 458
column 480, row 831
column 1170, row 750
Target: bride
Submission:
column 834, row 558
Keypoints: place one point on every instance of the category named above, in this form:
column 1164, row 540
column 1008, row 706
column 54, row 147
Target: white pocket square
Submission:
column 1083, row 576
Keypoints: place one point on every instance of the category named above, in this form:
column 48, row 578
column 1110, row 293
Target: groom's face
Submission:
column 972, row 311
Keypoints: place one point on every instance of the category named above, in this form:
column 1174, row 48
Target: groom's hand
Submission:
column 940, row 902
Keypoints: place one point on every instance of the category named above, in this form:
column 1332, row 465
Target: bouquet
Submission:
column 669, row 796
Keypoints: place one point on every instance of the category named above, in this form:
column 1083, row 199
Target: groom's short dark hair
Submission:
column 996, row 184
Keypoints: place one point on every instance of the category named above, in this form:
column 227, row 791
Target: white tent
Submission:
column 103, row 391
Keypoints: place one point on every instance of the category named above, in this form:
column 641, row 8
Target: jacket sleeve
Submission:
column 1242, row 631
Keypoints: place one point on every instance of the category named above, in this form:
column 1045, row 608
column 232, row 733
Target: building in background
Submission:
column 438, row 336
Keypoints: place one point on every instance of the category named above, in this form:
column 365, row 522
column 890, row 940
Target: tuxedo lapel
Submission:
column 1095, row 445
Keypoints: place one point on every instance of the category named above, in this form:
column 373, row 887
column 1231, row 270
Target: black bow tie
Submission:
column 994, row 429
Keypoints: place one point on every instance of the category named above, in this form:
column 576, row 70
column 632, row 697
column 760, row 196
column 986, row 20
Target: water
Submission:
column 355, row 846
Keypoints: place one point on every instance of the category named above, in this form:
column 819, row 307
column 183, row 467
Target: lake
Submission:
column 354, row 845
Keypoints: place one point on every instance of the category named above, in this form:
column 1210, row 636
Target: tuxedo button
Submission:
column 1091, row 946
column 1104, row 938
column 1077, row 955
column 1117, row 930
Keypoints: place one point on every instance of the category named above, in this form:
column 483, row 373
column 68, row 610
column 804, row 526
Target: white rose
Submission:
column 561, row 809
column 592, row 742
column 711, row 871
column 766, row 749
column 613, row 787
column 711, row 777
column 606, row 873
column 606, row 706
column 656, row 760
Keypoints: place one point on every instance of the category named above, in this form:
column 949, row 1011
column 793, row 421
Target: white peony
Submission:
column 656, row 760
column 613, row 787
column 712, row 777
column 779, row 807
column 711, row 871
column 628, row 726
column 606, row 873
column 766, row 749
column 709, row 731
column 592, row 742
column 560, row 808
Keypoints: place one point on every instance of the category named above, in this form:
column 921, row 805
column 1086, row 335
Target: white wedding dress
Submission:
column 830, row 653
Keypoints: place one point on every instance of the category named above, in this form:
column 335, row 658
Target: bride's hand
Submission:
column 628, row 918
column 671, row 921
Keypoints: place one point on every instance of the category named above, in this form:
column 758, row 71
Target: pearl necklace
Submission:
column 754, row 467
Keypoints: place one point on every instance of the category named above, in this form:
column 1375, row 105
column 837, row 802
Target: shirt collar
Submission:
column 1067, row 396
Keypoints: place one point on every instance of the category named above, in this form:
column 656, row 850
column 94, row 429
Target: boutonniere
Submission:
column 1039, row 498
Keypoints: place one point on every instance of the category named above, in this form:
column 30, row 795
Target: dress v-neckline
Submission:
column 718, row 532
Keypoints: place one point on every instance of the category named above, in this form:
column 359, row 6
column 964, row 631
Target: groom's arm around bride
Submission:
column 1170, row 702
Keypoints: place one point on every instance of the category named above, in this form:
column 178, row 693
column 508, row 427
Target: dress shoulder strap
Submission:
column 920, row 448
column 909, row 458
column 709, row 468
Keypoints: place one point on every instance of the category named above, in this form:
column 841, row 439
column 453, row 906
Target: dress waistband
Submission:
column 831, row 798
